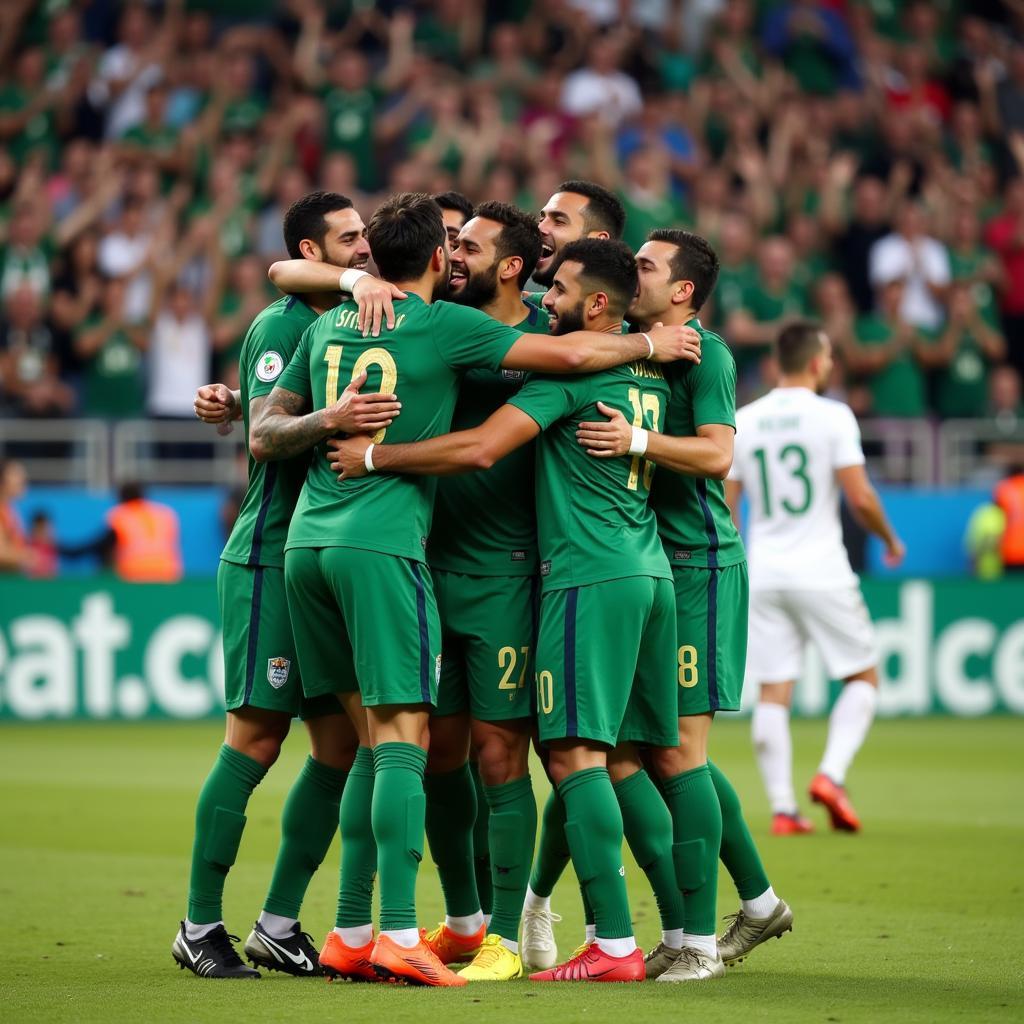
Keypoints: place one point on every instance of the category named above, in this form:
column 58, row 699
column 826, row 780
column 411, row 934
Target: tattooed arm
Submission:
column 279, row 430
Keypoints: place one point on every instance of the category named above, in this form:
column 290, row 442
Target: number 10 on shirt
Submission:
column 371, row 357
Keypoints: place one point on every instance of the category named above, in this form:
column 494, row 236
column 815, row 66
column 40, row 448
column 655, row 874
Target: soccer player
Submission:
column 795, row 452
column 456, row 210
column 606, row 645
column 483, row 558
column 263, row 689
column 360, row 597
column 677, row 272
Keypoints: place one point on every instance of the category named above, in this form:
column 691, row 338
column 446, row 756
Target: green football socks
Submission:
column 697, row 837
column 399, row 809
column 553, row 849
column 451, row 814
column 308, row 824
column 593, row 827
column 648, row 829
column 481, row 843
column 739, row 854
column 220, row 819
column 513, row 831
column 358, row 849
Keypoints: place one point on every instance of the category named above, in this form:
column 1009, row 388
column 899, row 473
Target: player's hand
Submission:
column 606, row 440
column 672, row 343
column 354, row 413
column 346, row 457
column 376, row 303
column 894, row 553
column 215, row 403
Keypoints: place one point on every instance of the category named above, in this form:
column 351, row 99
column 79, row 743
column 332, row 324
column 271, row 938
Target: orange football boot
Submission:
column 351, row 963
column 450, row 947
column 791, row 825
column 834, row 799
column 416, row 965
column 593, row 964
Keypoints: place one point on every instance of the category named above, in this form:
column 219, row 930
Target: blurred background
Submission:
column 859, row 161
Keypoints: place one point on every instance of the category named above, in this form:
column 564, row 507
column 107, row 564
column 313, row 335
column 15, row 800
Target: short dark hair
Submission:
column 603, row 211
column 608, row 266
column 519, row 236
column 694, row 261
column 305, row 219
column 453, row 200
column 403, row 233
column 797, row 344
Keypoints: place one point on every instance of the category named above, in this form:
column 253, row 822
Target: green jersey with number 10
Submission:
column 593, row 521
column 421, row 360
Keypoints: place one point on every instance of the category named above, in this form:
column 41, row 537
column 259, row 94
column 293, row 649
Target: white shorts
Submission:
column 782, row 622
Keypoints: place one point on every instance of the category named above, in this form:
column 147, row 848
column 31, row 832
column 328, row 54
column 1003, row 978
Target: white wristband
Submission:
column 650, row 344
column 368, row 459
column 349, row 279
column 638, row 446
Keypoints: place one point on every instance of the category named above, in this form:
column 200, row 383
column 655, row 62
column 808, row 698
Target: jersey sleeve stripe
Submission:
column 421, row 618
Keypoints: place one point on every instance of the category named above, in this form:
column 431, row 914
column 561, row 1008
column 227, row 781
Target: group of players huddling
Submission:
column 454, row 546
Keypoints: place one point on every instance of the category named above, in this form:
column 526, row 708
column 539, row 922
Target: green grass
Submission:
column 917, row 919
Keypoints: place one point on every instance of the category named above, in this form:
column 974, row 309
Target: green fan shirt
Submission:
column 485, row 523
column 693, row 518
column 421, row 360
column 258, row 535
column 593, row 520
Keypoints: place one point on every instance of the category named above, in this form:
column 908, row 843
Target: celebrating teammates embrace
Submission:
column 447, row 549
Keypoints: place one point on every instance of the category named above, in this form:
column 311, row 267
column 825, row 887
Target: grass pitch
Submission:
column 917, row 919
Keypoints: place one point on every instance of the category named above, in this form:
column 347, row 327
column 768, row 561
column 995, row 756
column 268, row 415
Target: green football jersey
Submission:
column 485, row 523
column 421, row 360
column 693, row 517
column 593, row 521
column 258, row 535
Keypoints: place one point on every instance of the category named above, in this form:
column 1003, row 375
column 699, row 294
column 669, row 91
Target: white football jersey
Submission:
column 789, row 445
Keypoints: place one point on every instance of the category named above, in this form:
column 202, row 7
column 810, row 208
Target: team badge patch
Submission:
column 270, row 366
column 277, row 671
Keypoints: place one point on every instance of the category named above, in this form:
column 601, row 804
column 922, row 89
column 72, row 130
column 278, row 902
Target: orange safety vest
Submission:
column 147, row 542
column 1009, row 496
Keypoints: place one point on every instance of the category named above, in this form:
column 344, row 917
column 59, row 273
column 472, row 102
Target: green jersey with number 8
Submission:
column 593, row 521
column 421, row 360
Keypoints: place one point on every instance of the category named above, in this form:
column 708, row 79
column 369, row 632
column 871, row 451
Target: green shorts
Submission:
column 711, row 609
column 488, row 628
column 364, row 621
column 606, row 662
column 260, row 667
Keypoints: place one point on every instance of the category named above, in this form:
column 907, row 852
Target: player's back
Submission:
column 593, row 519
column 420, row 360
column 789, row 445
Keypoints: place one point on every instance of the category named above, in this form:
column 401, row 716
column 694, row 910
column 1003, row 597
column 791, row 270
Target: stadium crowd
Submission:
column 862, row 162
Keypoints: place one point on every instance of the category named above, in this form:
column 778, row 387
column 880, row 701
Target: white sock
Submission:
column 195, row 932
column 672, row 938
column 468, row 925
column 847, row 728
column 487, row 921
column 769, row 729
column 276, row 926
column 407, row 937
column 706, row 944
column 535, row 902
column 355, row 937
column 761, row 906
column 510, row 944
column 617, row 947
column 591, row 933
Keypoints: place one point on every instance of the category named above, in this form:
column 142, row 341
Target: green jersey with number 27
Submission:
column 593, row 521
column 421, row 360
